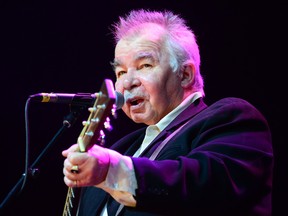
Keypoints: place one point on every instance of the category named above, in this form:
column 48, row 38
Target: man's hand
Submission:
column 92, row 166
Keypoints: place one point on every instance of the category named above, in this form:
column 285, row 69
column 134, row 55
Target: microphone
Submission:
column 76, row 99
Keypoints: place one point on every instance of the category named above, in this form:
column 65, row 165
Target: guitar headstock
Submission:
column 98, row 119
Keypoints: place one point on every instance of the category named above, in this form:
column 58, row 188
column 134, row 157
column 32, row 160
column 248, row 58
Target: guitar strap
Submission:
column 155, row 154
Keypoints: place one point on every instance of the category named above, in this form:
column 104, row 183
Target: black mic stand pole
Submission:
column 69, row 120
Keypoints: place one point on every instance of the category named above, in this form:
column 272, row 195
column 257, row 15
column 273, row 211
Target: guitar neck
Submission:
column 90, row 134
column 72, row 201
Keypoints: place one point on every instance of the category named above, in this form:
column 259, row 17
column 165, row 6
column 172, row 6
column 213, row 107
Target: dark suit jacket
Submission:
column 220, row 163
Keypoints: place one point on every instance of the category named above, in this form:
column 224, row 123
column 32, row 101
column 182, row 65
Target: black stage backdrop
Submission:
column 66, row 47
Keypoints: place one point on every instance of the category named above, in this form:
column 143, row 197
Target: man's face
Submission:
column 145, row 78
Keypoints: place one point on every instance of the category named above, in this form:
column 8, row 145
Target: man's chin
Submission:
column 139, row 118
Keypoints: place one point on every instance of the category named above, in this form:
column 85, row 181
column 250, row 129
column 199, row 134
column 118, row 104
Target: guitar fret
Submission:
column 72, row 193
column 69, row 213
column 70, row 202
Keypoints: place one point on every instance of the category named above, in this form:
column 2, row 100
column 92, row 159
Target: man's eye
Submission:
column 145, row 66
column 120, row 73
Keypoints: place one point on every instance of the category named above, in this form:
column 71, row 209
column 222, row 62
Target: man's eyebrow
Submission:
column 142, row 55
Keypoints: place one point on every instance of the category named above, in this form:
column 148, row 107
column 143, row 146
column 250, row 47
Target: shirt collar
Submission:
column 164, row 122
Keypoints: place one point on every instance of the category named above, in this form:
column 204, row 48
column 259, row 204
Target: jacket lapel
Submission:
column 183, row 117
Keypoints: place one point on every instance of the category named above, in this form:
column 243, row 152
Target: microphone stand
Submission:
column 69, row 120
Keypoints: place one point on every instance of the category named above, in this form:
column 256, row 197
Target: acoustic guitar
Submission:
column 92, row 133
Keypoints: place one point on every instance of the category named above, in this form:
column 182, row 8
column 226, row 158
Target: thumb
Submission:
column 72, row 148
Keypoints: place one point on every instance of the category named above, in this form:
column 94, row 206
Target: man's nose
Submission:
column 131, row 80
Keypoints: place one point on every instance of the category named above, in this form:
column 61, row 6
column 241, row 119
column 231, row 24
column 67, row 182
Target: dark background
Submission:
column 66, row 46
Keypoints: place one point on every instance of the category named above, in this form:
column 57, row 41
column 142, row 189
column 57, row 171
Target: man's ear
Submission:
column 188, row 75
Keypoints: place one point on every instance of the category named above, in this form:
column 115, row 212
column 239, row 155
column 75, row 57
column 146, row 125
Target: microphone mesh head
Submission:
column 119, row 100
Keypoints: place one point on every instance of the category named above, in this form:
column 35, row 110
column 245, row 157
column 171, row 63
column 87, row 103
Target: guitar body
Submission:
column 92, row 133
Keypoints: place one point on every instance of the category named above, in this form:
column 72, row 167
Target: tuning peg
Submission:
column 84, row 123
column 90, row 133
column 92, row 109
column 103, row 106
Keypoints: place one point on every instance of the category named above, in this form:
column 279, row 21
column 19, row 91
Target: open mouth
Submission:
column 135, row 101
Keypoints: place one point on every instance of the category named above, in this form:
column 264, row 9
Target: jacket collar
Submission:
column 183, row 117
